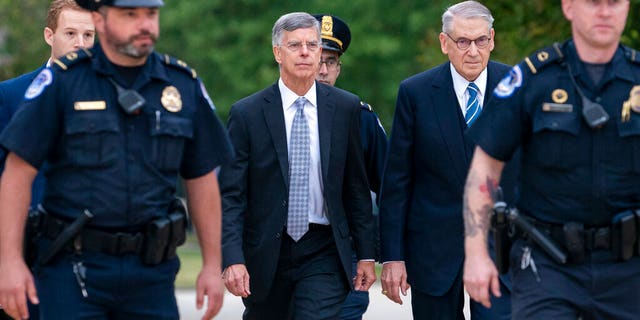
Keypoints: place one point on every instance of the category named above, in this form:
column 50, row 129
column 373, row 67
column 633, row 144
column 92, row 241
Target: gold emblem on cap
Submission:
column 559, row 96
column 171, row 99
column 632, row 104
column 542, row 56
column 72, row 56
column 327, row 26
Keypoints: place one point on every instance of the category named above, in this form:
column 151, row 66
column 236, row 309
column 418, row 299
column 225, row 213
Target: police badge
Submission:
column 171, row 99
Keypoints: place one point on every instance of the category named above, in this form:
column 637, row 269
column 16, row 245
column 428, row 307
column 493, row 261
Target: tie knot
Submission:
column 300, row 102
column 472, row 88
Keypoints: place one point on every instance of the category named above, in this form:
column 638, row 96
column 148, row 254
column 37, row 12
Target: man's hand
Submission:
column 365, row 275
column 209, row 284
column 236, row 279
column 15, row 281
column 480, row 276
column 394, row 280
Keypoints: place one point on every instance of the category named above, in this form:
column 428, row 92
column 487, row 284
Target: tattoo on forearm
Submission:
column 478, row 222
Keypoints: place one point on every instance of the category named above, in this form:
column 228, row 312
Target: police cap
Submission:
column 336, row 35
column 93, row 5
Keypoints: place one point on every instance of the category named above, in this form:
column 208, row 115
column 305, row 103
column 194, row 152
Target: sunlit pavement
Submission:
column 380, row 308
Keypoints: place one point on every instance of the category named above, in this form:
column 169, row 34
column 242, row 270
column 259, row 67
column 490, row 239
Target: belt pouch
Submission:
column 178, row 233
column 156, row 240
column 623, row 235
column 574, row 240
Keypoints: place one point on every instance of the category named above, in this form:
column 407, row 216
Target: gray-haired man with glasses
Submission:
column 421, row 225
column 297, row 190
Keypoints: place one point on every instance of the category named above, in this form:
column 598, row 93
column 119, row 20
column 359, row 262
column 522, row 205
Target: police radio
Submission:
column 130, row 100
column 593, row 113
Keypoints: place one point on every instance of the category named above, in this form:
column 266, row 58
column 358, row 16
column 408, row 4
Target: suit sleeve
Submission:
column 396, row 189
column 356, row 197
column 233, row 187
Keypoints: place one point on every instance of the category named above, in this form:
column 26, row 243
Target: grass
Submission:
column 190, row 263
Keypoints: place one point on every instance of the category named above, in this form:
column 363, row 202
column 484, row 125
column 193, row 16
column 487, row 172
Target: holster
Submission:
column 501, row 238
column 165, row 234
column 31, row 235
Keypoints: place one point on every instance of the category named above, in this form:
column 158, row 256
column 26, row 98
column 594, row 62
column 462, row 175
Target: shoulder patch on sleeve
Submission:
column 508, row 85
column 631, row 54
column 366, row 106
column 544, row 57
column 41, row 81
column 65, row 62
column 179, row 64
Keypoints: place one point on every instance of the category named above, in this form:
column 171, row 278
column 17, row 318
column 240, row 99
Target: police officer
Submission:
column 574, row 108
column 336, row 38
column 116, row 124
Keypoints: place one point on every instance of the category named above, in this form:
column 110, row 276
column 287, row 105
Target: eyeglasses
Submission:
column 331, row 63
column 297, row 45
column 464, row 43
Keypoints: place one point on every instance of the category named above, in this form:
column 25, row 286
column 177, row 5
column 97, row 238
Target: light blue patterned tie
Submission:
column 473, row 105
column 299, row 160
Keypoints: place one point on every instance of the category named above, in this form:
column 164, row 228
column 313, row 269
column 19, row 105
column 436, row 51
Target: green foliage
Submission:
column 229, row 42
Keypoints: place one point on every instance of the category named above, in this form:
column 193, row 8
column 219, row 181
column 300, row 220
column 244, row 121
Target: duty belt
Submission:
column 596, row 238
column 118, row 243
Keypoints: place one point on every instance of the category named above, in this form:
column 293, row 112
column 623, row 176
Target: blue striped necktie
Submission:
column 299, row 162
column 473, row 105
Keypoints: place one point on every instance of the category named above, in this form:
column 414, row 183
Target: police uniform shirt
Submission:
column 570, row 172
column 121, row 167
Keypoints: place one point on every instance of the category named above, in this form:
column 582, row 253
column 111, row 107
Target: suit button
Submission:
column 284, row 203
column 278, row 235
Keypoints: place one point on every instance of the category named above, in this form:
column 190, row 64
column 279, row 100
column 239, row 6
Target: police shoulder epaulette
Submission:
column 631, row 54
column 179, row 64
column 366, row 106
column 544, row 57
column 71, row 58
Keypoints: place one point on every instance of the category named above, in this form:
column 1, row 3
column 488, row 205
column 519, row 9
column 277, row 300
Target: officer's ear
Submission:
column 48, row 36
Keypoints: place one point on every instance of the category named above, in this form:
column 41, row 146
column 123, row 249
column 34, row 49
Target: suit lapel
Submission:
column 326, row 110
column 446, row 108
column 274, row 118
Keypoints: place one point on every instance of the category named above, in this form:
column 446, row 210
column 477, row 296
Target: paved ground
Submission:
column 380, row 307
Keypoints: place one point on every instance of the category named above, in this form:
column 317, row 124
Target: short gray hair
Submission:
column 293, row 21
column 465, row 10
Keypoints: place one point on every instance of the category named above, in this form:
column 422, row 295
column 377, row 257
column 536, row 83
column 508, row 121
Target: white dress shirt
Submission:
column 316, row 198
column 460, row 85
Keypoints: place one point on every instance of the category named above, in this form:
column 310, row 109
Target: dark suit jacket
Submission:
column 428, row 160
column 11, row 94
column 255, row 187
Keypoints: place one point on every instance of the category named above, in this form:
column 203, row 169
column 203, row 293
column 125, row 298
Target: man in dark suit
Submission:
column 69, row 28
column 297, row 190
column 421, row 199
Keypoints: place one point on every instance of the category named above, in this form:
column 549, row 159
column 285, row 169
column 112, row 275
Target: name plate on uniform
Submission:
column 557, row 107
column 89, row 105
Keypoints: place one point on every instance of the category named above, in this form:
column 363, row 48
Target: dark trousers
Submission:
column 117, row 287
column 310, row 283
column 450, row 306
column 599, row 288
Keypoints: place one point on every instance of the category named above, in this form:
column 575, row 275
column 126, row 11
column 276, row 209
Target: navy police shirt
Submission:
column 374, row 145
column 122, row 167
column 570, row 171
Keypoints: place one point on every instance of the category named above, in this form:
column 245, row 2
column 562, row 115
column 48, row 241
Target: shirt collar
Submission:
column 153, row 67
column 460, row 83
column 289, row 97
